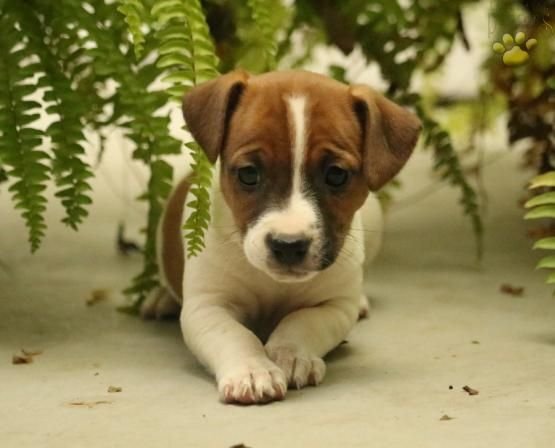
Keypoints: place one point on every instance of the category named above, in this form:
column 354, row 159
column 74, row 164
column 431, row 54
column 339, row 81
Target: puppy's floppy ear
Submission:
column 389, row 134
column 208, row 107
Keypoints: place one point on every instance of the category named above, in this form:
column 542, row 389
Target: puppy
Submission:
column 280, row 282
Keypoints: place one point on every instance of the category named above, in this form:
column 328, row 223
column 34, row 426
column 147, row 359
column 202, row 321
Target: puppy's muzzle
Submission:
column 288, row 250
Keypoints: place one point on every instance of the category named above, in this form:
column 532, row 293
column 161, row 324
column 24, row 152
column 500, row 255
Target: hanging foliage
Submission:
column 58, row 60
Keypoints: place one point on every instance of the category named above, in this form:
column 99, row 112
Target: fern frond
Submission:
column 135, row 108
column 542, row 206
column 20, row 143
column 66, row 107
column 197, row 222
column 186, row 50
column 448, row 165
column 134, row 12
column 159, row 186
column 187, row 55
column 261, row 13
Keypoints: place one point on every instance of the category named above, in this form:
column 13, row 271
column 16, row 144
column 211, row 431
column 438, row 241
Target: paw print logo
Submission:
column 512, row 51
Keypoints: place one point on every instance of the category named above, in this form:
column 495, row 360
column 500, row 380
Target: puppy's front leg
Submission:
column 303, row 337
column 234, row 354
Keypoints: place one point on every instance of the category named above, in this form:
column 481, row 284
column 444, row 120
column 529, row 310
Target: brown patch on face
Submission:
column 334, row 140
column 258, row 136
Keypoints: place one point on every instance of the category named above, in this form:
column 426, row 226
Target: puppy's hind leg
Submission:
column 160, row 305
column 163, row 302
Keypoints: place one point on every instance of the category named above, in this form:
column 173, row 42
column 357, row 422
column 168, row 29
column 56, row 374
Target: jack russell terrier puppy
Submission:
column 280, row 282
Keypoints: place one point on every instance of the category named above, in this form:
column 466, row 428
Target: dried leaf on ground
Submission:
column 114, row 389
column 97, row 295
column 25, row 357
column 512, row 290
column 445, row 417
column 22, row 359
column 470, row 390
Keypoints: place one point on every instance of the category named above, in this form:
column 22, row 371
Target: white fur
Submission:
column 299, row 121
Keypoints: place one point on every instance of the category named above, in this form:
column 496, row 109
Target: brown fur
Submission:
column 390, row 134
column 258, row 135
column 172, row 256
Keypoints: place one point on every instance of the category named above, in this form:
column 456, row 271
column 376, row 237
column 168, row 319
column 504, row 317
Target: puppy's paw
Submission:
column 254, row 381
column 363, row 307
column 300, row 368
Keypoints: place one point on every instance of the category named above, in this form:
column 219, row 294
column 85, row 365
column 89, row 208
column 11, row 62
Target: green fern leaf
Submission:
column 261, row 13
column 547, row 263
column 542, row 206
column 186, row 50
column 541, row 199
column 545, row 243
column 134, row 12
column 66, row 107
column 199, row 219
column 542, row 211
column 20, row 142
column 550, row 279
column 187, row 56
column 543, row 180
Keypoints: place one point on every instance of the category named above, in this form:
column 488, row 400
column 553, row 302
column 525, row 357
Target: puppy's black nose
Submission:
column 289, row 250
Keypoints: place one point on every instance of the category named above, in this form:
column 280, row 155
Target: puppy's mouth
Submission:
column 291, row 275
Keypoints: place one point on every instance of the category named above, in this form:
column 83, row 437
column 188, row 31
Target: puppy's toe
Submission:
column 363, row 307
column 300, row 368
column 253, row 382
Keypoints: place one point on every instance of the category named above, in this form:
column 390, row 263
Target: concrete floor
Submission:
column 438, row 320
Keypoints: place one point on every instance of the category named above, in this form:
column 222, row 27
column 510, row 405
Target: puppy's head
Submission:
column 299, row 153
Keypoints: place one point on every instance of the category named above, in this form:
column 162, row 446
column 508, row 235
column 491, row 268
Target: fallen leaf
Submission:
column 26, row 356
column 470, row 391
column 445, row 417
column 114, row 389
column 22, row 359
column 97, row 295
column 511, row 290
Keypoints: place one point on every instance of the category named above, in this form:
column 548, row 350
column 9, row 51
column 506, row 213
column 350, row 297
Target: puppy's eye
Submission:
column 336, row 177
column 248, row 175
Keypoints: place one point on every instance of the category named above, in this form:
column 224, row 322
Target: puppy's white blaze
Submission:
column 297, row 106
column 299, row 216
